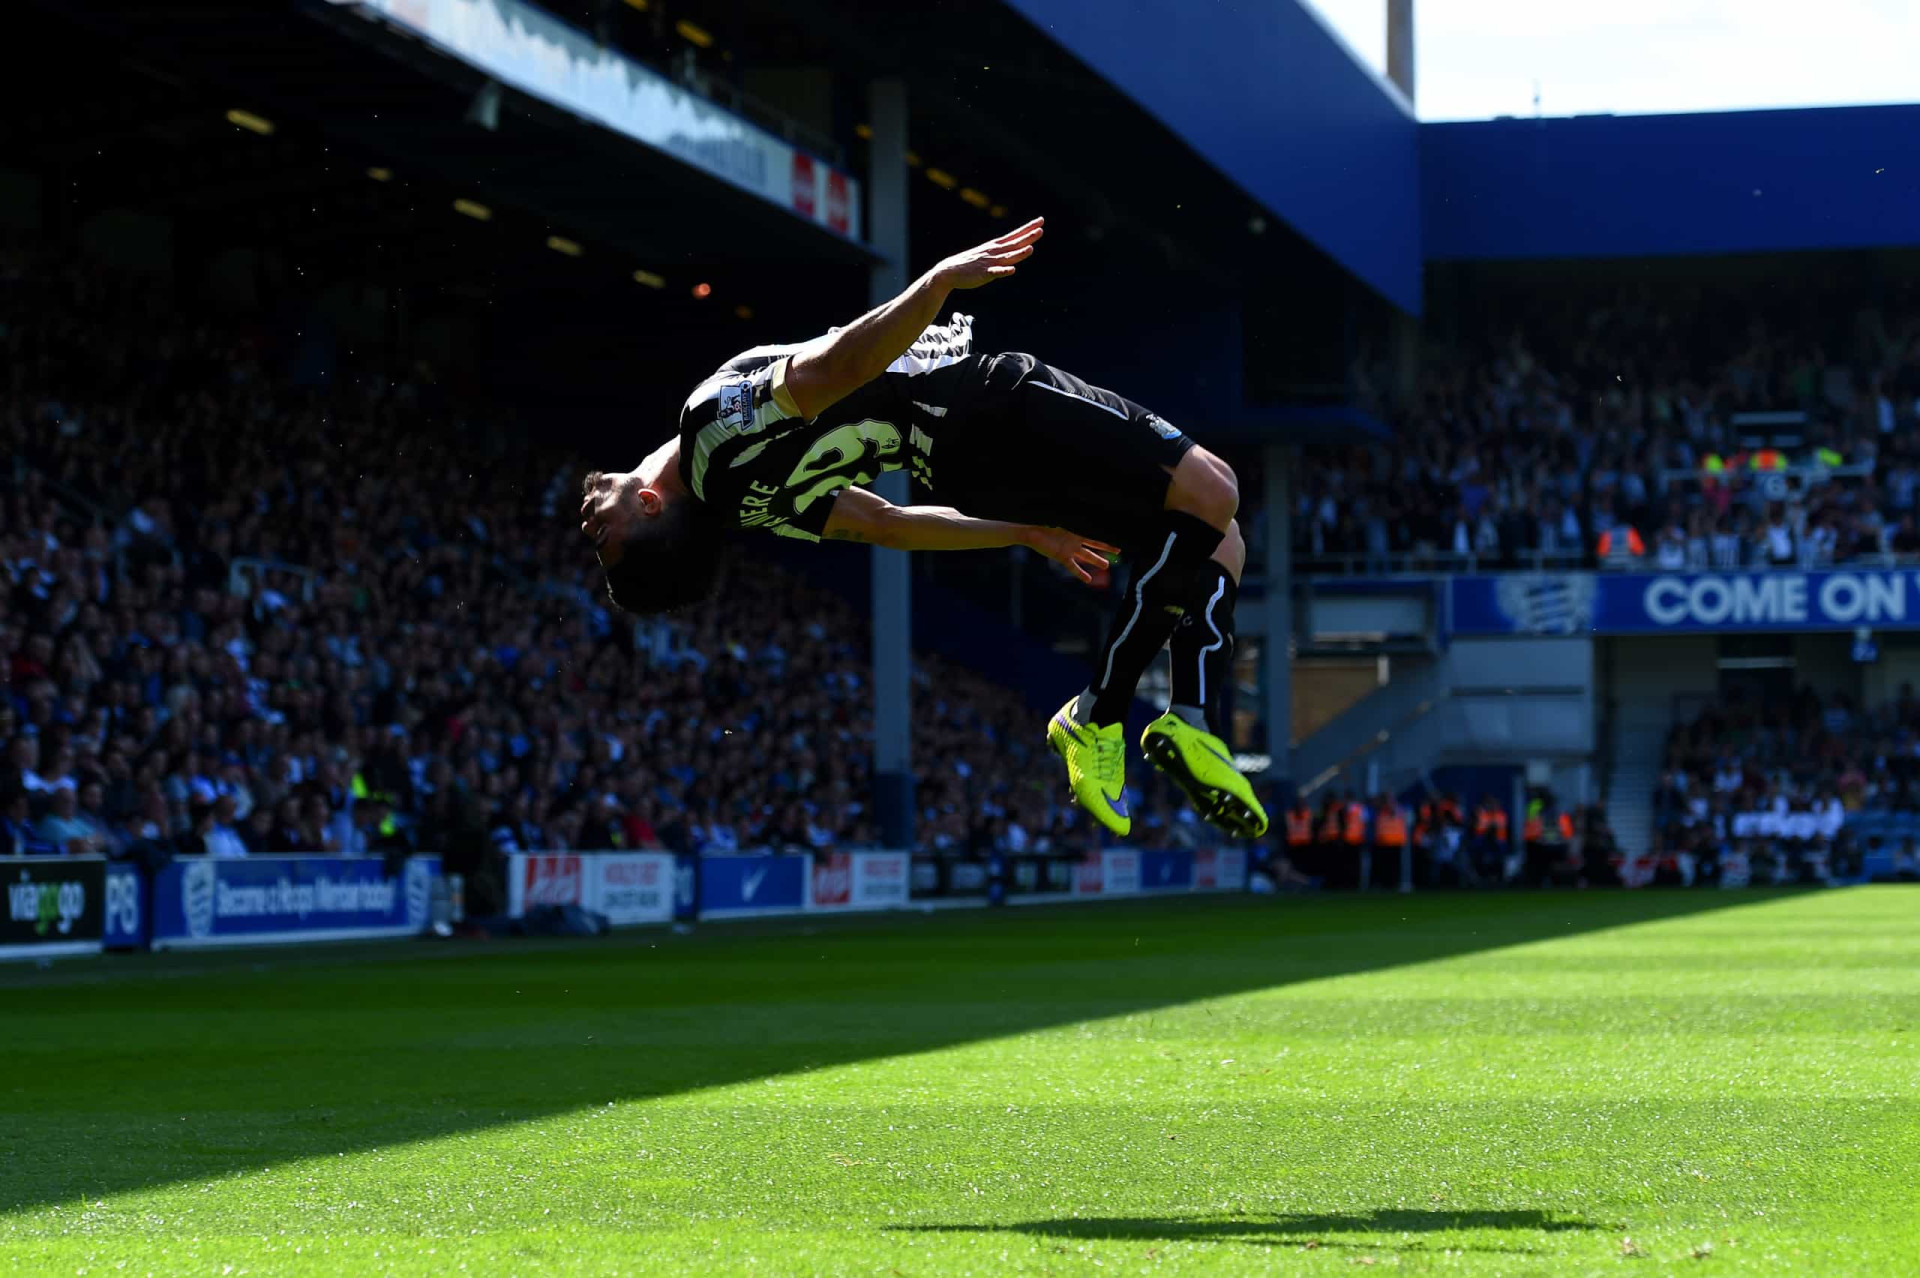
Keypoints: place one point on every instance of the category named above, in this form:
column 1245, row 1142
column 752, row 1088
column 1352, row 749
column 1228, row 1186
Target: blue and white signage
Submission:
column 738, row 886
column 1679, row 603
column 264, row 900
column 126, row 903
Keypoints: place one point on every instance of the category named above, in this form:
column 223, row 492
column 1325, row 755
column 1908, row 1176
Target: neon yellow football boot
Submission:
column 1201, row 764
column 1096, row 766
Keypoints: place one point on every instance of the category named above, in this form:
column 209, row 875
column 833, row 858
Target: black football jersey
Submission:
column 746, row 451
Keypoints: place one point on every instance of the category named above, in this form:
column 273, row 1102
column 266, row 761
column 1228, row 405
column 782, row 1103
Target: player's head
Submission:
column 660, row 548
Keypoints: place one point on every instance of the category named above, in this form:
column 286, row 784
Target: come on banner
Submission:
column 1679, row 603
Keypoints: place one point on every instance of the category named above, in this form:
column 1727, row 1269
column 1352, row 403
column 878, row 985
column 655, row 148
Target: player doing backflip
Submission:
column 779, row 439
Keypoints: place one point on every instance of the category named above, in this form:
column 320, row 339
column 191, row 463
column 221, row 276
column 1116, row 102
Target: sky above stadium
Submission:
column 1481, row 58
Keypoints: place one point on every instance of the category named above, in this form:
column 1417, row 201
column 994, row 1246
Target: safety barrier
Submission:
column 63, row 906
column 652, row 887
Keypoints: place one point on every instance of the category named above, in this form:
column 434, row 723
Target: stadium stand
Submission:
column 1667, row 429
column 240, row 620
column 1799, row 789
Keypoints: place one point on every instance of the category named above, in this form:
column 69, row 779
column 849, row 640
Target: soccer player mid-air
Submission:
column 779, row 438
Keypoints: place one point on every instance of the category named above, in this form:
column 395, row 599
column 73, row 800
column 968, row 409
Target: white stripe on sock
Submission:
column 1139, row 602
column 1219, row 640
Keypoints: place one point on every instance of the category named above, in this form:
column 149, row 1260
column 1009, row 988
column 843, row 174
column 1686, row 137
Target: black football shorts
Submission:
column 1040, row 446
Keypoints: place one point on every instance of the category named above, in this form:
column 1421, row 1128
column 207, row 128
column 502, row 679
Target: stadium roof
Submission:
column 311, row 61
column 1660, row 185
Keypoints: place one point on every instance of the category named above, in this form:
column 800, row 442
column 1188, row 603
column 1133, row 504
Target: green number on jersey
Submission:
column 850, row 454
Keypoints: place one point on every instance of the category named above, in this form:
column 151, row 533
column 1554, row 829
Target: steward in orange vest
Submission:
column 1299, row 825
column 1632, row 545
column 1355, row 832
column 1490, row 821
column 1390, row 825
column 1535, row 830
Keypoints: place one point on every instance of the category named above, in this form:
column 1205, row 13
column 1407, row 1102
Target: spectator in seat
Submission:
column 1905, row 538
column 1726, row 544
column 316, row 825
column 1699, row 540
column 66, row 831
column 92, row 814
column 1774, row 541
column 18, row 837
column 193, row 842
column 286, row 836
column 256, row 832
column 1670, row 551
column 220, row 837
column 639, row 824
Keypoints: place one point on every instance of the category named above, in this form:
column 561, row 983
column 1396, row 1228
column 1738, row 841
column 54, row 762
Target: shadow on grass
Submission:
column 158, row 1069
column 1309, row 1232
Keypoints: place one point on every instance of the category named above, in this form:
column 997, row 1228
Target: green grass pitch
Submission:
column 1527, row 1084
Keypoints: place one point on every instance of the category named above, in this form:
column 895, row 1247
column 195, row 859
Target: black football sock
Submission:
column 1164, row 588
column 1202, row 653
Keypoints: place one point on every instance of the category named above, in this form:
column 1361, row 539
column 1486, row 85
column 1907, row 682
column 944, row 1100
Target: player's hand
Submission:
column 1084, row 557
column 985, row 263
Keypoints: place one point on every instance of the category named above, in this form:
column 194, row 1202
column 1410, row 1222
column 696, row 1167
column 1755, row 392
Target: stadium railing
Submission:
column 1430, row 565
column 1426, row 564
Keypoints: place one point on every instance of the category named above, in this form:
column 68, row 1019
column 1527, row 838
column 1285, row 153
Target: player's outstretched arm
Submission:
column 829, row 368
column 859, row 515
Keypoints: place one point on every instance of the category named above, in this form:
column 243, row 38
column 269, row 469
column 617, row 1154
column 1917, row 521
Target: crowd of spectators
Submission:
column 1805, row 790
column 242, row 615
column 1626, row 435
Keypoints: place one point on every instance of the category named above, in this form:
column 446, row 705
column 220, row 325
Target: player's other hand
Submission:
column 985, row 263
column 1084, row 557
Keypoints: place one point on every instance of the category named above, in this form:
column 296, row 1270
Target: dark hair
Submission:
column 668, row 562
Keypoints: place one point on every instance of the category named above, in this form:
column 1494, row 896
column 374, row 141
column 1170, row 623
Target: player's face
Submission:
column 610, row 505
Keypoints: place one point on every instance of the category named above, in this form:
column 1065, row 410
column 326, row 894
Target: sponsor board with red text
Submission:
column 881, row 879
column 832, row 880
column 805, row 185
column 839, row 215
column 632, row 887
column 1219, row 869
column 860, row 880
column 548, row 878
column 627, row 887
column 1114, row 872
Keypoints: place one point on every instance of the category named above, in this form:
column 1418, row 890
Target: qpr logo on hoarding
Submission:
column 196, row 898
column 1547, row 604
